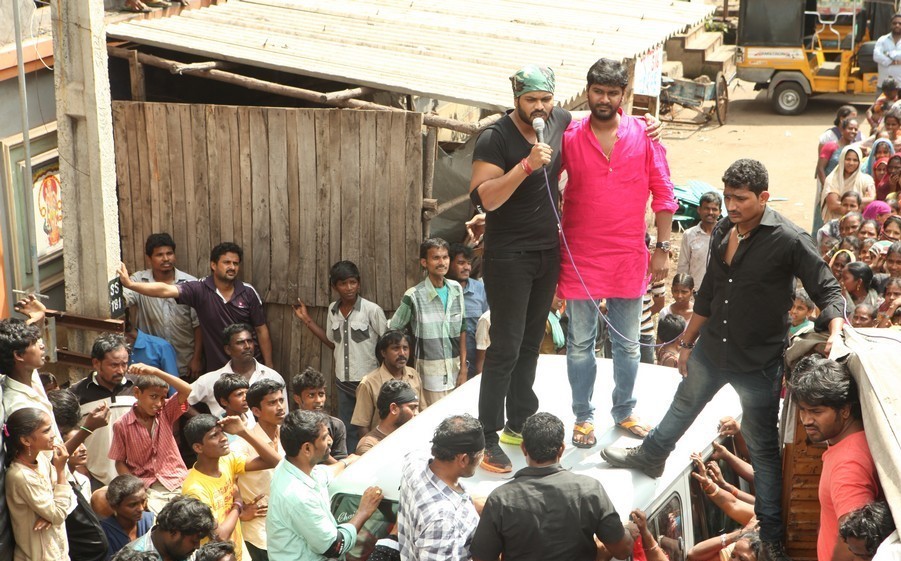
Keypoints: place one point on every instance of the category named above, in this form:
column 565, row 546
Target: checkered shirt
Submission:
column 434, row 522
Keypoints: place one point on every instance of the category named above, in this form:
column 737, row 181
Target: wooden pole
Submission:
column 428, row 175
column 136, row 74
column 294, row 92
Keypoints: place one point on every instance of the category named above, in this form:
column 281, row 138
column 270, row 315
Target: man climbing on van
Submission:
column 739, row 325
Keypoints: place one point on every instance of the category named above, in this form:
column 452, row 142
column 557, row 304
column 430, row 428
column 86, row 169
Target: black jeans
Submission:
column 520, row 286
column 256, row 554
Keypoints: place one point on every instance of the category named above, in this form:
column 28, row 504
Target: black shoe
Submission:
column 773, row 551
column 495, row 460
column 633, row 458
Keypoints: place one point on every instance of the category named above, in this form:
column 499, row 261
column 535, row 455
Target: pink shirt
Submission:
column 604, row 209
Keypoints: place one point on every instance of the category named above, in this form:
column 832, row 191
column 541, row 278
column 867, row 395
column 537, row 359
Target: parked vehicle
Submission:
column 676, row 507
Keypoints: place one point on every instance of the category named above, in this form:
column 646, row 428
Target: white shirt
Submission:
column 885, row 53
column 693, row 254
column 253, row 484
column 202, row 388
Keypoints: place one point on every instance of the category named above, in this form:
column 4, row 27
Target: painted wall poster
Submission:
column 48, row 208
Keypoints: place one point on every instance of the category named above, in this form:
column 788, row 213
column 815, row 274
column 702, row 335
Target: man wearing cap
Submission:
column 436, row 518
column 514, row 180
column 613, row 169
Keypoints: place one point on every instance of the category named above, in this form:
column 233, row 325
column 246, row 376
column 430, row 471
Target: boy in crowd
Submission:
column 474, row 297
column 180, row 527
column 164, row 317
column 230, row 391
column 309, row 395
column 801, row 311
column 237, row 341
column 393, row 351
column 669, row 328
column 397, row 404
column 434, row 310
column 829, row 408
column 212, row 479
column 354, row 324
column 267, row 403
column 143, row 444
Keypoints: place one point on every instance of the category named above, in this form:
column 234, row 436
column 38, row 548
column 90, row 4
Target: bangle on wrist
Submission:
column 685, row 345
column 524, row 163
column 344, row 462
column 86, row 429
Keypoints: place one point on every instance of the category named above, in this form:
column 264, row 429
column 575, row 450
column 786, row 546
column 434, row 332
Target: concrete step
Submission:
column 673, row 69
column 722, row 60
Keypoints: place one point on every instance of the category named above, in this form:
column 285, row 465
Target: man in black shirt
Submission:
column 514, row 179
column 547, row 512
column 740, row 324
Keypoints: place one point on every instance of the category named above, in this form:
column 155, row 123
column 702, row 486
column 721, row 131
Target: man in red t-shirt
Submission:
column 828, row 403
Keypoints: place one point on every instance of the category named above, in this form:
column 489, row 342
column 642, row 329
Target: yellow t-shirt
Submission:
column 218, row 492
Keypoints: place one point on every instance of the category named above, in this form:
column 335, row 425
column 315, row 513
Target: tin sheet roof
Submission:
column 459, row 51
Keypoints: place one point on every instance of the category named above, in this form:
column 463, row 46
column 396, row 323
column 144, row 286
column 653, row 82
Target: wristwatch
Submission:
column 663, row 245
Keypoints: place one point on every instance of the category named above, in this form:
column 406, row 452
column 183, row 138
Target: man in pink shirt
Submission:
column 829, row 407
column 612, row 167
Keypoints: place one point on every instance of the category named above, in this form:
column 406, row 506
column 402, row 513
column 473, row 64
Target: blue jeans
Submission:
column 759, row 394
column 581, row 365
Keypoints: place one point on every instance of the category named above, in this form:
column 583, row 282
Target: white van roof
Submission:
column 628, row 489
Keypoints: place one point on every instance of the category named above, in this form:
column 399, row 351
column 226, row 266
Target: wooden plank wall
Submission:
column 298, row 189
column 801, row 467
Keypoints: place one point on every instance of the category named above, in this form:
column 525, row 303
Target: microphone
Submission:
column 538, row 125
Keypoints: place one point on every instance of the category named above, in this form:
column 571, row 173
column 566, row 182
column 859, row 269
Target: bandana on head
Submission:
column 533, row 78
column 464, row 443
column 407, row 395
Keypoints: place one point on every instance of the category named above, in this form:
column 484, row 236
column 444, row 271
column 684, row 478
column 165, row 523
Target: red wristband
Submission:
column 525, row 166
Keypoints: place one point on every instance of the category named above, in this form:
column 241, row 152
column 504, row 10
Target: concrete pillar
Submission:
column 87, row 161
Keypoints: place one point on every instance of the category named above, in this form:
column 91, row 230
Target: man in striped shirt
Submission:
column 434, row 310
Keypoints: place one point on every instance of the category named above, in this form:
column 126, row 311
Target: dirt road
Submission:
column 786, row 146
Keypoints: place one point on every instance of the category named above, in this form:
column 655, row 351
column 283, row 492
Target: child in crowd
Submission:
column 49, row 382
column 669, row 327
column 474, row 296
column 230, row 391
column 886, row 313
column 127, row 497
column 310, row 395
column 38, row 495
column 143, row 443
column 866, row 256
column 216, row 551
column 435, row 311
column 77, row 463
column 212, row 479
column 683, row 291
column 801, row 311
column 353, row 326
column 651, row 303
column 267, row 403
column 891, row 229
column 857, row 280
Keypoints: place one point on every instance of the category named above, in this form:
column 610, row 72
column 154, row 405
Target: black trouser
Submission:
column 256, row 554
column 520, row 286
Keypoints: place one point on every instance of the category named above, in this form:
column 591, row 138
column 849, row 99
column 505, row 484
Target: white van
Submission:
column 676, row 507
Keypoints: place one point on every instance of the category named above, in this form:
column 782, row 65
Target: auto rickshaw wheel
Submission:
column 722, row 98
column 789, row 98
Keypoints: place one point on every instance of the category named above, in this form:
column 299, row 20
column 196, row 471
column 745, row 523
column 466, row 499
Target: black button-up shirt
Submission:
column 746, row 303
column 546, row 513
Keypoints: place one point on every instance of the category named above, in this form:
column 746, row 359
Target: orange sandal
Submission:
column 588, row 439
column 634, row 426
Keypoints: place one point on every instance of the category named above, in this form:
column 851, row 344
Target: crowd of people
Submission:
column 182, row 442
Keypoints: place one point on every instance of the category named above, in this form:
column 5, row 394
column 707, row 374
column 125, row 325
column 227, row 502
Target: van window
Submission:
column 666, row 524
column 708, row 519
column 382, row 523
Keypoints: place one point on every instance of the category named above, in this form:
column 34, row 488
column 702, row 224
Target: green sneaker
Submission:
column 510, row 436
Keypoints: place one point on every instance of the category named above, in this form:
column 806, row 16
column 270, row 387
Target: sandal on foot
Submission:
column 586, row 429
column 634, row 426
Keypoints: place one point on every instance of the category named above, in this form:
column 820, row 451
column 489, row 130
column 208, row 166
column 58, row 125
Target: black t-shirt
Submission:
column 526, row 221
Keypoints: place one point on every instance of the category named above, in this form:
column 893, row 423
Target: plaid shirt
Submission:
column 437, row 331
column 434, row 523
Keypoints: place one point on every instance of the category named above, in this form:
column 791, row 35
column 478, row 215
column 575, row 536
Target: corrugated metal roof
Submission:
column 456, row 50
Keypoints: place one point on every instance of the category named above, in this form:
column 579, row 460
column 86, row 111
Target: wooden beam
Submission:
column 294, row 92
column 345, row 94
column 213, row 64
column 429, row 153
column 136, row 74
